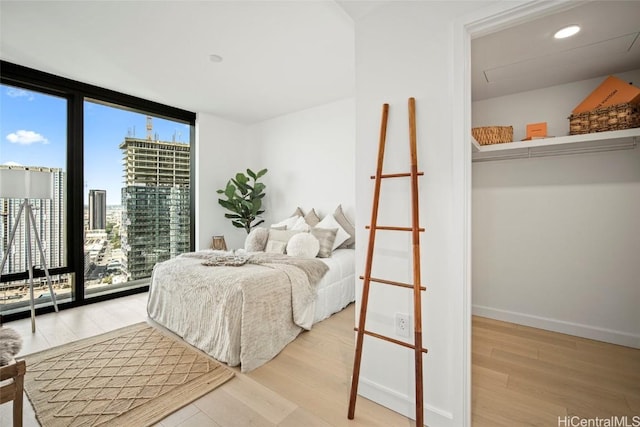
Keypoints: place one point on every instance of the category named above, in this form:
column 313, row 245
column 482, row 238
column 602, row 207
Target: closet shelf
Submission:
column 572, row 144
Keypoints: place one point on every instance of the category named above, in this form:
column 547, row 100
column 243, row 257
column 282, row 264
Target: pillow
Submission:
column 277, row 241
column 312, row 218
column 300, row 225
column 287, row 223
column 303, row 245
column 256, row 240
column 330, row 222
column 275, row 246
column 325, row 237
column 298, row 212
column 348, row 227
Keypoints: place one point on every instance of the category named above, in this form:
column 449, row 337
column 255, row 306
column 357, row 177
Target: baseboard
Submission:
column 403, row 404
column 570, row 328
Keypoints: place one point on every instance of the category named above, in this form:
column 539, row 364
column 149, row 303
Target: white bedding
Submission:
column 337, row 288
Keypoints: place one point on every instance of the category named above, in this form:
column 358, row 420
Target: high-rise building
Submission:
column 155, row 200
column 97, row 209
column 49, row 223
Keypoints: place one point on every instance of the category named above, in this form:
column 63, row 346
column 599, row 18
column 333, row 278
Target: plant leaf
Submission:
column 230, row 191
column 259, row 187
column 241, row 178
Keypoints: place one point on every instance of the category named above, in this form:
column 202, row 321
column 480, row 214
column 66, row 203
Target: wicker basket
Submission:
column 493, row 134
column 616, row 117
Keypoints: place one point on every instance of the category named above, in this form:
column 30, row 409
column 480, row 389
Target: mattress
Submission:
column 337, row 288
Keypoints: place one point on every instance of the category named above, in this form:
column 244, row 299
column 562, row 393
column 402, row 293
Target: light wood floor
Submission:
column 521, row 376
column 529, row 377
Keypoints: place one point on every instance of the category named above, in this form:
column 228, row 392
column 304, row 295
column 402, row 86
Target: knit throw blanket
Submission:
column 238, row 314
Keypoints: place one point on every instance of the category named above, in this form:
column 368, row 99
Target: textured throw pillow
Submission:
column 330, row 222
column 278, row 240
column 303, row 245
column 326, row 237
column 312, row 218
column 287, row 223
column 348, row 227
column 298, row 212
column 256, row 240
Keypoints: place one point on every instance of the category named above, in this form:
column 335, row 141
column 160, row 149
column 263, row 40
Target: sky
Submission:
column 33, row 133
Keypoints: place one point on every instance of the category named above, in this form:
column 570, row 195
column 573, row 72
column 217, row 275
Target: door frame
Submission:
column 477, row 24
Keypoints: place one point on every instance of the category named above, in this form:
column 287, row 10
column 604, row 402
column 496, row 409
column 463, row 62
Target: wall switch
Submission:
column 403, row 323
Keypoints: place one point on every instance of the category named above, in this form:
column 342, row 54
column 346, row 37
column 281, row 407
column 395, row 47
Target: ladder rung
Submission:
column 389, row 339
column 386, row 227
column 397, row 175
column 390, row 282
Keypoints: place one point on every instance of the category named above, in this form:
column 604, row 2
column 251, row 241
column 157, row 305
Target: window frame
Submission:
column 76, row 93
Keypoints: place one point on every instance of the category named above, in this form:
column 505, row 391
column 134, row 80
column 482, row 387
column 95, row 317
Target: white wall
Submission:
column 310, row 155
column 556, row 239
column 221, row 151
column 406, row 49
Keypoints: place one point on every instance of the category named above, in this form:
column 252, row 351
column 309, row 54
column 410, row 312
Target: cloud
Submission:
column 10, row 163
column 19, row 93
column 26, row 137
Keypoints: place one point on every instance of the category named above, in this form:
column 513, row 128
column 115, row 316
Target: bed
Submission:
column 245, row 315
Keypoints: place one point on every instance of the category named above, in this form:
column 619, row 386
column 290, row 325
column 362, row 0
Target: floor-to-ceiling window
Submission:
column 122, row 169
column 33, row 127
column 136, row 189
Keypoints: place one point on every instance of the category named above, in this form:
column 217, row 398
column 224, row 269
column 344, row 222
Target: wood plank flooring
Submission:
column 524, row 376
column 521, row 376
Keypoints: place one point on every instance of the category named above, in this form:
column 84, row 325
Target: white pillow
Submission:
column 303, row 245
column 300, row 225
column 287, row 223
column 330, row 222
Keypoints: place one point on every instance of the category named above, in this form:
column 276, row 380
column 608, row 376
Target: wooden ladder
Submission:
column 415, row 286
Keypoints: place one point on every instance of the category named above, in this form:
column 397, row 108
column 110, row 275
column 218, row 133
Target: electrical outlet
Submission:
column 402, row 325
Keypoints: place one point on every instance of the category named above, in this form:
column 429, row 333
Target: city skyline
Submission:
column 33, row 133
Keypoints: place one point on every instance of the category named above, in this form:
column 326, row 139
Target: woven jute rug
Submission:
column 134, row 376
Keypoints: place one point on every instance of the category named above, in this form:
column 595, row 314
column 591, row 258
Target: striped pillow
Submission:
column 326, row 237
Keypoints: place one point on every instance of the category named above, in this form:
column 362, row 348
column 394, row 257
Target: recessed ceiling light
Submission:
column 215, row 58
column 565, row 32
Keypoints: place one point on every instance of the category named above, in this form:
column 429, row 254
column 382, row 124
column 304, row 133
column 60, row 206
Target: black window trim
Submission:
column 76, row 93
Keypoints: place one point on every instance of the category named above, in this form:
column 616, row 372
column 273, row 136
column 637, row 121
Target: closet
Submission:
column 556, row 222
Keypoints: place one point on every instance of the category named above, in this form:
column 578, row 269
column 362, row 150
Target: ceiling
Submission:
column 527, row 57
column 278, row 56
column 284, row 56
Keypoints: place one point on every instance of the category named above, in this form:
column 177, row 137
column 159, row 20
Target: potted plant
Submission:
column 244, row 198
